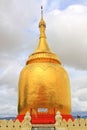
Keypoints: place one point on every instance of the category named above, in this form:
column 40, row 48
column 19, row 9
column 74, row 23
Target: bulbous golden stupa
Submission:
column 43, row 82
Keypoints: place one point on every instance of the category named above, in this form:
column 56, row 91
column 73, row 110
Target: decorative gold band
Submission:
column 42, row 60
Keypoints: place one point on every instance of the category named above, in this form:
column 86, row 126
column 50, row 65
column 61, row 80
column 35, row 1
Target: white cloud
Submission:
column 67, row 32
column 78, row 81
column 16, row 20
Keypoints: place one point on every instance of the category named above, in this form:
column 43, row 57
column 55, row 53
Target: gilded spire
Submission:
column 42, row 52
column 41, row 12
column 42, row 25
column 43, row 45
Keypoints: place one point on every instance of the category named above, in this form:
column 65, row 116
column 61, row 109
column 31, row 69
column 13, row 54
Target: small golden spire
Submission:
column 41, row 12
column 43, row 45
column 42, row 25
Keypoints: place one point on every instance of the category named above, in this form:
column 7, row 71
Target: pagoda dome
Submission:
column 43, row 82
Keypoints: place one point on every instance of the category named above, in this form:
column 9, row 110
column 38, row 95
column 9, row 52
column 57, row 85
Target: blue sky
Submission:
column 66, row 31
column 63, row 4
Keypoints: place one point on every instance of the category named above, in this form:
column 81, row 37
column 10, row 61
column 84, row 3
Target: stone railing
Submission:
column 77, row 124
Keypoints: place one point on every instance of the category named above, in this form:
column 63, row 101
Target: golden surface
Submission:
column 43, row 81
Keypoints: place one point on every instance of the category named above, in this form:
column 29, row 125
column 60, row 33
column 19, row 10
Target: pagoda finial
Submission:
column 41, row 12
column 42, row 24
column 43, row 45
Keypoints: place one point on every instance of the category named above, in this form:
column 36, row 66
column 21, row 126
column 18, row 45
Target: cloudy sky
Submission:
column 66, row 34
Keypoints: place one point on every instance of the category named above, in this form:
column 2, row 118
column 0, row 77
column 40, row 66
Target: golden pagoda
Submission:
column 43, row 82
